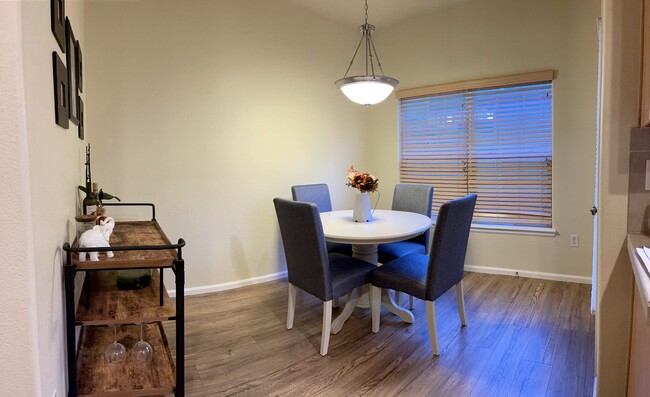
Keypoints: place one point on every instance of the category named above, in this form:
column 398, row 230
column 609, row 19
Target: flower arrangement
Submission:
column 364, row 181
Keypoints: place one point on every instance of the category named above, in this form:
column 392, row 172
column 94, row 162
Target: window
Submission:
column 492, row 137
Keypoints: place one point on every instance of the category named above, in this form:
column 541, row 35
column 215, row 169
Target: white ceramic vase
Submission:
column 361, row 211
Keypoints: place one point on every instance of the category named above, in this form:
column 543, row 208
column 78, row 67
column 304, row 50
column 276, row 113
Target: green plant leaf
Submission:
column 106, row 196
column 102, row 194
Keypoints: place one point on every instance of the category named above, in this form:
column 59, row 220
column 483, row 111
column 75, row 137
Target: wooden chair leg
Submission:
column 291, row 307
column 398, row 298
column 327, row 324
column 460, row 299
column 375, row 307
column 411, row 302
column 433, row 330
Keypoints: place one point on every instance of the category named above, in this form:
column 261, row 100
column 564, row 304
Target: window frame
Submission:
column 522, row 79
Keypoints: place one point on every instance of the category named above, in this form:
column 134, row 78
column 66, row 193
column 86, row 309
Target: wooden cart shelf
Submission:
column 129, row 234
column 96, row 378
column 136, row 244
column 110, row 305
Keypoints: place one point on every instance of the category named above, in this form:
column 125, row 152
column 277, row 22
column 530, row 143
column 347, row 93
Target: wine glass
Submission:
column 115, row 352
column 142, row 351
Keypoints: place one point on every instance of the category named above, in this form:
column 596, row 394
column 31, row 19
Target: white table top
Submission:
column 386, row 226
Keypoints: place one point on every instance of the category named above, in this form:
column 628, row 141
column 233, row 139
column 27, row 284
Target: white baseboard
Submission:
column 529, row 274
column 206, row 289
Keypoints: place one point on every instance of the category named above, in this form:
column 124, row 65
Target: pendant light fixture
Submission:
column 370, row 88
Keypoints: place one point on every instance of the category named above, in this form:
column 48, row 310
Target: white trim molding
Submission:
column 529, row 274
column 206, row 289
column 522, row 230
column 504, row 229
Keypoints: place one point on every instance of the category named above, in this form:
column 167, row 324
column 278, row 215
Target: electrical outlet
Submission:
column 573, row 240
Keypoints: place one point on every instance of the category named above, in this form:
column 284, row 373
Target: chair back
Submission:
column 417, row 198
column 447, row 256
column 304, row 247
column 318, row 194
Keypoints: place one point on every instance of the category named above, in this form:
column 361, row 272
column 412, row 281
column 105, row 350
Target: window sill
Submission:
column 518, row 230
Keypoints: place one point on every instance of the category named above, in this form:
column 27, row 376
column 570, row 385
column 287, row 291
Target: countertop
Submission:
column 641, row 275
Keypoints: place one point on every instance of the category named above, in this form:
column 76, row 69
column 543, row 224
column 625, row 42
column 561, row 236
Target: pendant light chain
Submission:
column 366, row 12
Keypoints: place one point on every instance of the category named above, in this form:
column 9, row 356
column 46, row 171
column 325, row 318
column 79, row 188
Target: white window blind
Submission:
column 495, row 142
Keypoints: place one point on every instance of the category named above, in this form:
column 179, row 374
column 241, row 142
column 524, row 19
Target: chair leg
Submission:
column 411, row 302
column 327, row 324
column 398, row 298
column 350, row 304
column 433, row 330
column 375, row 307
column 291, row 307
column 460, row 299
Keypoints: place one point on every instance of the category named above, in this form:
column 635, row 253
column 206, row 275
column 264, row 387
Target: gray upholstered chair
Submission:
column 408, row 197
column 429, row 276
column 312, row 269
column 319, row 194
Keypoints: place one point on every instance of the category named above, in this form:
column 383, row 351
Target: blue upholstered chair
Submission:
column 319, row 194
column 408, row 197
column 311, row 268
column 429, row 276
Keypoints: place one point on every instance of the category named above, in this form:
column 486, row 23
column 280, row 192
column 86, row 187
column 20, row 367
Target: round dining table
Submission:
column 386, row 226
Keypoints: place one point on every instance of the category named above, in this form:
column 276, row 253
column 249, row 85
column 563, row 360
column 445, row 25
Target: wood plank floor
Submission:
column 525, row 337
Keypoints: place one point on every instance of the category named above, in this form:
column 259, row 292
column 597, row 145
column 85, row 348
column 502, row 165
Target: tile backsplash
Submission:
column 638, row 211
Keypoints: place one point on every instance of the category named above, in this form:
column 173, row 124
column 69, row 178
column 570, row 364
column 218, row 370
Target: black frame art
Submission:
column 81, row 119
column 80, row 69
column 61, row 91
column 57, row 18
column 71, row 58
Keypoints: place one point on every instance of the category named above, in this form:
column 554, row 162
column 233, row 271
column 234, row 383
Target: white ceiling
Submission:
column 381, row 13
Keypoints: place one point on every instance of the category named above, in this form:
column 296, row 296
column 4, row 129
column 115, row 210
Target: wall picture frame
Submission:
column 57, row 18
column 71, row 58
column 61, row 91
column 81, row 119
column 80, row 69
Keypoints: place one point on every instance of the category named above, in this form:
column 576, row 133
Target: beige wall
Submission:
column 18, row 334
column 41, row 166
column 55, row 169
column 211, row 109
column 620, row 105
column 482, row 39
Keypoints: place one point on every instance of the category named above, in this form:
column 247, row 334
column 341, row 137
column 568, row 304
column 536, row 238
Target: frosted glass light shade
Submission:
column 367, row 90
